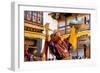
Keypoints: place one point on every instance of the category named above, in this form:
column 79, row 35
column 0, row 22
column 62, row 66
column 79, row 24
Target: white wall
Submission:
column 52, row 24
column 48, row 19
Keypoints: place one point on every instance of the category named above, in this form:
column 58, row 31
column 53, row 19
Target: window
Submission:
column 34, row 17
column 28, row 15
column 37, row 17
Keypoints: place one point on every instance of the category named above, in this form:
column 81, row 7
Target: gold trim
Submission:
column 79, row 34
column 42, row 36
column 34, row 35
column 34, row 26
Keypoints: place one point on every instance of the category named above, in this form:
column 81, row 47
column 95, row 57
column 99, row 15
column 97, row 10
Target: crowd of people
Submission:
column 58, row 47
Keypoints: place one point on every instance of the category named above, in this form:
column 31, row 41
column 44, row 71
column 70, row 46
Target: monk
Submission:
column 60, row 45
